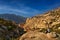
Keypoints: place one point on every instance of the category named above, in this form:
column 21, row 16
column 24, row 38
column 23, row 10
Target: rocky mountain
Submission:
column 43, row 27
column 49, row 19
column 13, row 17
column 40, row 27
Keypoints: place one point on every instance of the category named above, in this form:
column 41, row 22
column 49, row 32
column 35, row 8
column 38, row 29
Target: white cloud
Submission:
column 10, row 9
column 24, row 10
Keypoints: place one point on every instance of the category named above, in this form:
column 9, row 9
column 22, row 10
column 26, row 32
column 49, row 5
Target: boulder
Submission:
column 33, row 35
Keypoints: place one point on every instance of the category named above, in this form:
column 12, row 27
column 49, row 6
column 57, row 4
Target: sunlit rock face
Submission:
column 49, row 19
column 43, row 27
column 33, row 35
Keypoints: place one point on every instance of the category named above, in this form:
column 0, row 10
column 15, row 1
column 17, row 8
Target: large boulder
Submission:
column 34, row 35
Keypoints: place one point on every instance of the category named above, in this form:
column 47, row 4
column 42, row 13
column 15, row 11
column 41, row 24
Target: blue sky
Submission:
column 27, row 8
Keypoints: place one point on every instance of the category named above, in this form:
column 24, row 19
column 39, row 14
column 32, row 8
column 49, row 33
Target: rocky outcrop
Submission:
column 34, row 35
column 43, row 27
column 48, row 19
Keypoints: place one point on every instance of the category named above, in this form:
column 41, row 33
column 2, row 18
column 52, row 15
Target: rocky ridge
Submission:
column 43, row 27
column 50, row 19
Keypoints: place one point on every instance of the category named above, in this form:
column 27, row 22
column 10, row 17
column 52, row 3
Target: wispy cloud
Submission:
column 27, row 11
column 11, row 9
column 23, row 8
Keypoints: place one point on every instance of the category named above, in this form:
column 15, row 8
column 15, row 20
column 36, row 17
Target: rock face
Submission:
column 33, row 35
column 43, row 27
column 48, row 19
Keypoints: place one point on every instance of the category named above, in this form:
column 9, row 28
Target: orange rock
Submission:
column 34, row 35
column 43, row 21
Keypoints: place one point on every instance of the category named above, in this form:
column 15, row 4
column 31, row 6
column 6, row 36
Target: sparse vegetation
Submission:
column 9, row 30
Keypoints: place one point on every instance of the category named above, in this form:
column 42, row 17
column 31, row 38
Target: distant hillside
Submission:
column 13, row 17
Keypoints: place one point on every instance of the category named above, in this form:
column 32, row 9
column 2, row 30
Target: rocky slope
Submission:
column 9, row 30
column 43, row 27
column 49, row 19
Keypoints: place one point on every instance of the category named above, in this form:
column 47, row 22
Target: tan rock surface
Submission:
column 36, row 36
column 50, row 19
column 43, row 27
